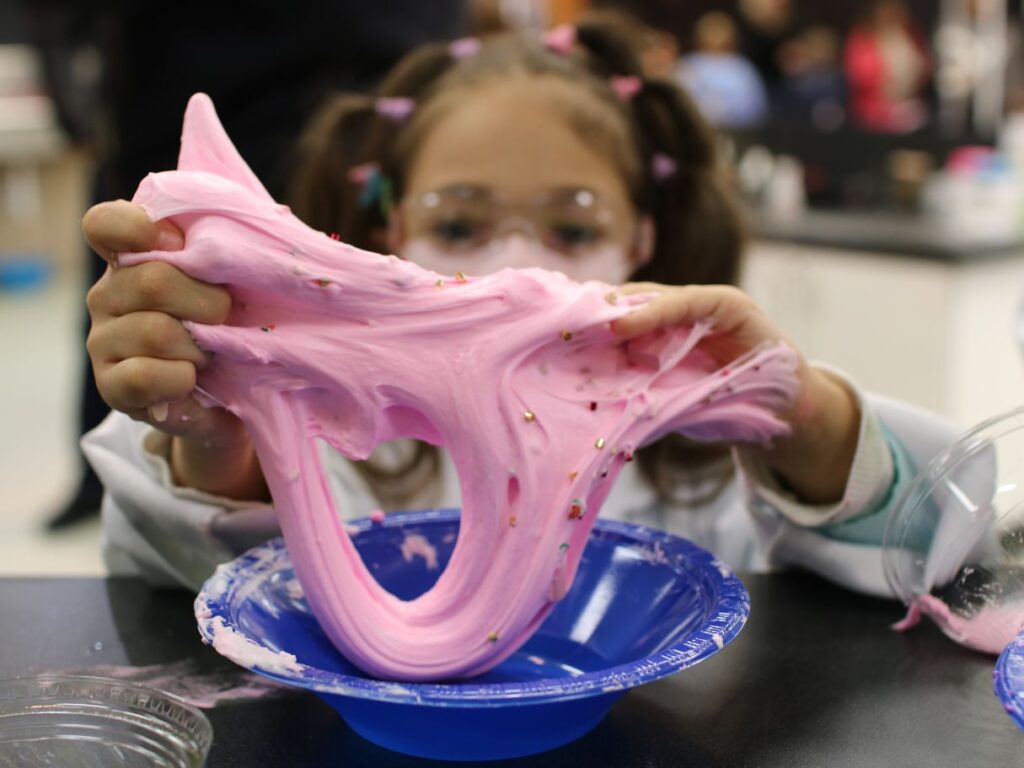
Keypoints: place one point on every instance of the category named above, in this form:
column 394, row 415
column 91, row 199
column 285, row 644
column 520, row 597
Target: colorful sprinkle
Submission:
column 573, row 475
column 268, row 328
column 493, row 637
column 512, row 520
column 460, row 277
column 323, row 282
column 566, row 335
column 599, row 444
column 334, row 236
column 628, row 456
column 593, row 405
column 377, row 516
column 529, row 416
column 563, row 547
column 576, row 509
column 439, row 283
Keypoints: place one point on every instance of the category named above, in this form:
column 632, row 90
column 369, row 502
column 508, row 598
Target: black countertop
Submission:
column 881, row 232
column 815, row 679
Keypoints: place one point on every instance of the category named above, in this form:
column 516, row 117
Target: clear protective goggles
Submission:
column 464, row 218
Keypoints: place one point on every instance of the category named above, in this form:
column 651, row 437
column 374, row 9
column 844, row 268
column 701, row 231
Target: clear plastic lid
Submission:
column 72, row 721
column 954, row 544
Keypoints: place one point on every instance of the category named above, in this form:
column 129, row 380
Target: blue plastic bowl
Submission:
column 644, row 604
column 1009, row 679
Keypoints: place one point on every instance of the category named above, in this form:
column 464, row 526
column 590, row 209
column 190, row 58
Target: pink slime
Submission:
column 990, row 630
column 518, row 374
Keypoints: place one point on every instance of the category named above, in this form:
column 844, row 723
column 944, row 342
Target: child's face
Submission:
column 502, row 180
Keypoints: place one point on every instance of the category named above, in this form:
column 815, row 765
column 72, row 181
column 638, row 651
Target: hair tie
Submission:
column 626, row 86
column 663, row 167
column 396, row 108
column 561, row 39
column 464, row 48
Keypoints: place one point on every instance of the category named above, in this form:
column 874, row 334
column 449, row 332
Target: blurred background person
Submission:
column 725, row 85
column 267, row 67
column 765, row 27
column 887, row 70
column 813, row 88
column 979, row 68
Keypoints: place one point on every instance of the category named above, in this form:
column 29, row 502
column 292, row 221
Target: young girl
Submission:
column 473, row 157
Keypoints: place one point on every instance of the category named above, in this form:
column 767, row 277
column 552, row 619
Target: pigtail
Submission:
column 700, row 234
column 320, row 192
column 350, row 144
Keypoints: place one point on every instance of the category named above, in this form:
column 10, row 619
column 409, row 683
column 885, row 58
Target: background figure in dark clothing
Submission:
column 765, row 27
column 266, row 64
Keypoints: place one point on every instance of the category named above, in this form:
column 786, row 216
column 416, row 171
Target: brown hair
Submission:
column 698, row 233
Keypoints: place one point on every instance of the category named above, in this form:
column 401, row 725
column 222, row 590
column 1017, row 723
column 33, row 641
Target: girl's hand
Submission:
column 815, row 459
column 144, row 360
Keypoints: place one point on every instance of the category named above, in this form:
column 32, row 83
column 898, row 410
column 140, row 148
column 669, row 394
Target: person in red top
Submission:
column 887, row 67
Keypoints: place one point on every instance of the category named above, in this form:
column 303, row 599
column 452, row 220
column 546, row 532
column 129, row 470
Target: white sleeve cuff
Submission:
column 870, row 479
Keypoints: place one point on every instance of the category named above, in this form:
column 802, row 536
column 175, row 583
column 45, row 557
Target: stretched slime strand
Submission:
column 517, row 374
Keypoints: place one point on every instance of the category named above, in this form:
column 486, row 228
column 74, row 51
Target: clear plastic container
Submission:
column 954, row 545
column 74, row 722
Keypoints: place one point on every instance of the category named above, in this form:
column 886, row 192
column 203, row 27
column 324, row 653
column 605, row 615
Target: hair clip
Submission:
column 361, row 174
column 396, row 108
column 376, row 187
column 626, row 86
column 561, row 39
column 464, row 48
column 663, row 167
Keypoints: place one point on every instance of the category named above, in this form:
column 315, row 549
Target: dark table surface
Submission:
column 815, row 679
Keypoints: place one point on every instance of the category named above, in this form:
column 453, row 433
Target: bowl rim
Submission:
column 718, row 630
column 1008, row 679
column 108, row 691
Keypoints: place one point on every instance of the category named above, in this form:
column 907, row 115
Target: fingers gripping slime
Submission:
column 517, row 374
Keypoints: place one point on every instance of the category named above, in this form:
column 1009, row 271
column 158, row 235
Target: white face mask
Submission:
column 609, row 263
